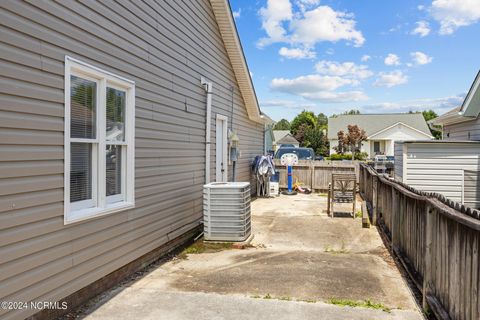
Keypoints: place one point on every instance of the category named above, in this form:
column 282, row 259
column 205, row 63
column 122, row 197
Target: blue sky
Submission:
column 376, row 56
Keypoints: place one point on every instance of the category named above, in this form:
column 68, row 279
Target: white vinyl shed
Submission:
column 451, row 168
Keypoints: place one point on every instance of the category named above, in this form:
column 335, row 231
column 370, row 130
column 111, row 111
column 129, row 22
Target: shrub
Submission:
column 358, row 156
column 337, row 156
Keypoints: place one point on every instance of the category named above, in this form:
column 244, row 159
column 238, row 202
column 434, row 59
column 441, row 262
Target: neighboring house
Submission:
column 284, row 137
column 463, row 123
column 382, row 130
column 108, row 135
column 450, row 166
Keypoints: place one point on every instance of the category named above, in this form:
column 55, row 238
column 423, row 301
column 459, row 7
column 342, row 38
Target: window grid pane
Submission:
column 80, row 172
column 113, row 170
column 116, row 100
column 83, row 108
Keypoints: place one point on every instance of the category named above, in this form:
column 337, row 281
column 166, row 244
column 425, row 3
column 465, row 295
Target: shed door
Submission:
column 221, row 143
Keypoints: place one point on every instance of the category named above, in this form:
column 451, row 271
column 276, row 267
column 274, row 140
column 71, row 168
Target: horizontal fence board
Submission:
column 314, row 174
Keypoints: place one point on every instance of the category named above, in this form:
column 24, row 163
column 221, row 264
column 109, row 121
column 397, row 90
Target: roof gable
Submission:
column 279, row 134
column 228, row 30
column 469, row 110
column 400, row 131
column 471, row 104
column 374, row 123
column 287, row 139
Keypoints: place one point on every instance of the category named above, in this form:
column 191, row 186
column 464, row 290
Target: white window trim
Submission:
column 102, row 205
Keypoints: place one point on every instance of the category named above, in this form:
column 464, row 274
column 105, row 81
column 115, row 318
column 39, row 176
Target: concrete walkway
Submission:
column 300, row 260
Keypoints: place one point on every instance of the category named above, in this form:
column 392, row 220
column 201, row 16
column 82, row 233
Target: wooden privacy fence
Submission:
column 315, row 174
column 436, row 239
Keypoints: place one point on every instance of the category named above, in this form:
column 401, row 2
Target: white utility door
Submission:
column 221, row 149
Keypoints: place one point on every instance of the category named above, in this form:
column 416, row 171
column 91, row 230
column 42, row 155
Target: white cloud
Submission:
column 319, row 88
column 273, row 16
column 440, row 105
column 345, row 69
column 453, row 14
column 335, row 97
column 236, row 14
column 365, row 58
column 310, row 84
column 420, row 58
column 390, row 79
column 420, row 7
column 297, row 53
column 422, row 28
column 303, row 5
column 325, row 24
column 306, row 28
column 392, row 60
column 290, row 104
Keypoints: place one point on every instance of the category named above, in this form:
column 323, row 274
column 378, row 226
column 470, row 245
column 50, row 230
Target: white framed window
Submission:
column 99, row 142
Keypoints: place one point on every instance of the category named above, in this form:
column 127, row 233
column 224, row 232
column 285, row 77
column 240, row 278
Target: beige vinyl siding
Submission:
column 469, row 130
column 439, row 167
column 472, row 188
column 398, row 160
column 165, row 47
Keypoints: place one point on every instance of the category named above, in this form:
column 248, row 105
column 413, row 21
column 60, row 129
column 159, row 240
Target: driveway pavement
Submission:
column 300, row 262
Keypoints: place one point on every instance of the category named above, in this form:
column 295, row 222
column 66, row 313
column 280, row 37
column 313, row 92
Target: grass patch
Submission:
column 359, row 214
column 268, row 296
column 362, row 304
column 323, row 194
column 201, row 246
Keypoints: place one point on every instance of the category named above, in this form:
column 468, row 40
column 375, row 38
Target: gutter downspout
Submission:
column 208, row 89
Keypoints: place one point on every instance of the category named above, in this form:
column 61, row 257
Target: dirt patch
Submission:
column 202, row 246
column 300, row 275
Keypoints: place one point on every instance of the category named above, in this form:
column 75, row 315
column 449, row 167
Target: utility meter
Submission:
column 234, row 147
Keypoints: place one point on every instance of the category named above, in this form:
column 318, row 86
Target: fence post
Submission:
column 374, row 199
column 360, row 185
column 312, row 175
column 427, row 273
column 393, row 213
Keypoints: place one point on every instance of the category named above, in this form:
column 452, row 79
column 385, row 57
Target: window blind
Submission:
column 83, row 108
column 80, row 171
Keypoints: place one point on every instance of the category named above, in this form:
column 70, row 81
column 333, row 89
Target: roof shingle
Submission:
column 373, row 123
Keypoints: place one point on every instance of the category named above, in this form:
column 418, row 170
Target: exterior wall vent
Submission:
column 226, row 211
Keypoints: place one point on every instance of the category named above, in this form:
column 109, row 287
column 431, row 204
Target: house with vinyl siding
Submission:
column 113, row 115
column 463, row 122
column 450, row 166
column 382, row 130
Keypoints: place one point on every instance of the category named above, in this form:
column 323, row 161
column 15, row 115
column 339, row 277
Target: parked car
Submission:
column 287, row 145
column 302, row 153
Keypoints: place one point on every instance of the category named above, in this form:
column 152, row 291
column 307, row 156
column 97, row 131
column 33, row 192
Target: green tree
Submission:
column 282, row 125
column 429, row 115
column 322, row 121
column 305, row 117
column 315, row 138
column 309, row 130
column 348, row 112
column 352, row 111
